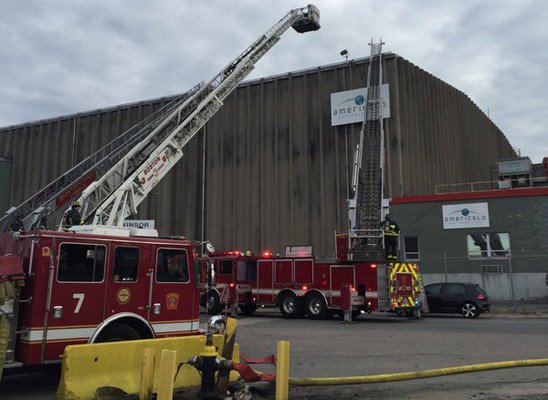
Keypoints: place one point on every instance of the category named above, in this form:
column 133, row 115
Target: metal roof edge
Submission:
column 486, row 194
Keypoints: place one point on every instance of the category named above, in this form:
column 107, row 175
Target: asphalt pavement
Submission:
column 384, row 344
column 376, row 344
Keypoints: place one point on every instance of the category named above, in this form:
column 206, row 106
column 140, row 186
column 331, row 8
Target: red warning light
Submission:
column 373, row 265
column 231, row 285
column 266, row 254
column 304, row 287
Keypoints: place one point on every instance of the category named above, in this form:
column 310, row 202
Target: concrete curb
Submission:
column 528, row 310
column 517, row 314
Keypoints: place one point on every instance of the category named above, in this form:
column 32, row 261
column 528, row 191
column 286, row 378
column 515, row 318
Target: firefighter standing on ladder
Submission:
column 391, row 232
column 73, row 216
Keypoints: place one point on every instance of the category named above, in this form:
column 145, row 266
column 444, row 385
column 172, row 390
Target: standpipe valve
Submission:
column 208, row 363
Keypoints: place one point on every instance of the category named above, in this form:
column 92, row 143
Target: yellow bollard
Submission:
column 282, row 371
column 228, row 350
column 147, row 374
column 167, row 372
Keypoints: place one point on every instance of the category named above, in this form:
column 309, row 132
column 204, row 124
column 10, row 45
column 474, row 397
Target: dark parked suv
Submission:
column 468, row 299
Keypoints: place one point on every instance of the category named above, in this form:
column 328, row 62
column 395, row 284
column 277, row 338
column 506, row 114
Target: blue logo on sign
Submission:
column 359, row 100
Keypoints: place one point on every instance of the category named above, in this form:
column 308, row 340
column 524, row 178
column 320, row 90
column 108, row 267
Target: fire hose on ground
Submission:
column 284, row 381
column 428, row 373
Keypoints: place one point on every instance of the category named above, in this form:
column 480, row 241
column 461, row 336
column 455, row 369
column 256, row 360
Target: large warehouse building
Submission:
column 270, row 169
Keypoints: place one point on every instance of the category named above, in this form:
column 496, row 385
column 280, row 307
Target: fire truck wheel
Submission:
column 316, row 307
column 291, row 306
column 117, row 333
column 213, row 303
column 248, row 309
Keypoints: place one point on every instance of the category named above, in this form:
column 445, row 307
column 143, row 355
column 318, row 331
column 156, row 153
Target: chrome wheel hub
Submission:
column 315, row 306
column 289, row 305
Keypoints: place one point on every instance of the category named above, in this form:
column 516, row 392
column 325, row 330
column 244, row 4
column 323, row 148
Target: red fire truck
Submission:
column 300, row 285
column 97, row 282
column 82, row 288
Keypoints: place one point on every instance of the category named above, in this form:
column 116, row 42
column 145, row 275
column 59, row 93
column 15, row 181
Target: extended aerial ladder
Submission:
column 119, row 177
column 366, row 195
column 50, row 202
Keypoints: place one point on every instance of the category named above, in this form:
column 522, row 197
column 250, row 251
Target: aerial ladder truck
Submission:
column 359, row 280
column 399, row 285
column 97, row 276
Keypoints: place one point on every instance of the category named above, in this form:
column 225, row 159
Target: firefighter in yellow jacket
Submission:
column 391, row 232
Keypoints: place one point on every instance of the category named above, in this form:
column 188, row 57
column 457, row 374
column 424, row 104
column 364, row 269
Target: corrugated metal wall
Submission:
column 276, row 171
column 5, row 183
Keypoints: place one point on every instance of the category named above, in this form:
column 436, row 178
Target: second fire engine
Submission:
column 300, row 285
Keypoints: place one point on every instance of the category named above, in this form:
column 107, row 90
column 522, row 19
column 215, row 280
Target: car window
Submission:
column 455, row 289
column 433, row 289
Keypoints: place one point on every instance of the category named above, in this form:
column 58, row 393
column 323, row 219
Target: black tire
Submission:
column 248, row 309
column 291, row 306
column 117, row 332
column 316, row 307
column 213, row 303
column 469, row 310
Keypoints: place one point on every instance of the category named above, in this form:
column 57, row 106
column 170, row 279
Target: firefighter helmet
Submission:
column 76, row 204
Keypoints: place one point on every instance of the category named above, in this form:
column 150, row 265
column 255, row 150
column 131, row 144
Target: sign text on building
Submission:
column 461, row 216
column 348, row 107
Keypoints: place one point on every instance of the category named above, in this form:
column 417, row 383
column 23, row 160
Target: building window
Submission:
column 126, row 264
column 81, row 263
column 171, row 266
column 487, row 245
column 411, row 248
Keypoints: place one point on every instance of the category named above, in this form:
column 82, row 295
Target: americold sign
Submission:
column 460, row 216
column 348, row 107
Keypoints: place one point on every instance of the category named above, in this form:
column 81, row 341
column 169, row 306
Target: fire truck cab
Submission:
column 85, row 288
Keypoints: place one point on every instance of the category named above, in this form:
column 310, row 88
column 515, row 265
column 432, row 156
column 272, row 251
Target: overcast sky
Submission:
column 61, row 57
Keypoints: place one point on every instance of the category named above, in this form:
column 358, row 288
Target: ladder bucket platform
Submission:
column 310, row 21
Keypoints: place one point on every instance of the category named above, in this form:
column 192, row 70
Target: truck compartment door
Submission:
column 340, row 275
column 265, row 282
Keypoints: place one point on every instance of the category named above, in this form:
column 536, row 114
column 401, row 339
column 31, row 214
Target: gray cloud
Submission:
column 63, row 57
